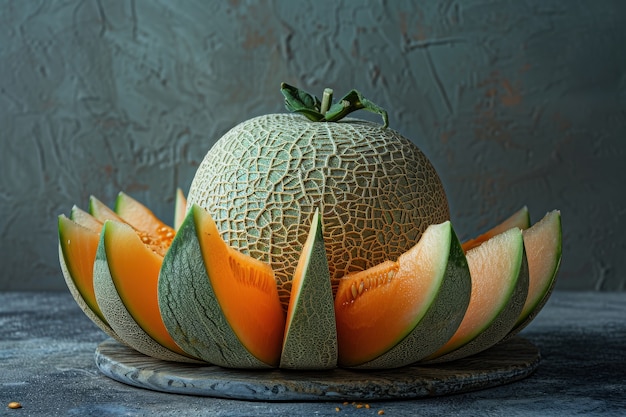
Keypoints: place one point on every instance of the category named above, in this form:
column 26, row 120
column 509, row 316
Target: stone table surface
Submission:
column 47, row 364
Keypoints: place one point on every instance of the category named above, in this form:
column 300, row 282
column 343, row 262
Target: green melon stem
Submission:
column 299, row 101
column 327, row 100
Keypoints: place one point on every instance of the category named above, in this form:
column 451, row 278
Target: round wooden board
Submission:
column 507, row 362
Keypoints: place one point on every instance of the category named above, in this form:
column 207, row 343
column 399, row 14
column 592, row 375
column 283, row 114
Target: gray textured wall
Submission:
column 515, row 103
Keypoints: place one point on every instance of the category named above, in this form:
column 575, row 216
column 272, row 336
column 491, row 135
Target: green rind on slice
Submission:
column 189, row 307
column 447, row 306
column 116, row 313
column 543, row 241
column 494, row 329
column 311, row 335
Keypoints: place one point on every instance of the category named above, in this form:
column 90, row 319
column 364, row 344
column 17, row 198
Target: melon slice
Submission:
column 217, row 303
column 397, row 313
column 519, row 219
column 499, row 273
column 543, row 242
column 126, row 272
column 310, row 334
column 101, row 211
column 78, row 242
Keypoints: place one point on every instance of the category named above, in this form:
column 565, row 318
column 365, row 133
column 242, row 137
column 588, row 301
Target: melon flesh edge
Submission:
column 499, row 288
column 519, row 219
column 445, row 307
column 543, row 242
column 137, row 215
column 114, row 309
column 190, row 307
column 310, row 334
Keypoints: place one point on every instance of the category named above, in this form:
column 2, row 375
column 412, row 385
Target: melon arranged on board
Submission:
column 308, row 242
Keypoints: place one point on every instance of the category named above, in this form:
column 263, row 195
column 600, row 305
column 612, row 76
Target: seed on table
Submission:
column 14, row 405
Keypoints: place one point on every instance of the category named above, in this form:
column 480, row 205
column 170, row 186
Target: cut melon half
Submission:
column 499, row 273
column 219, row 304
column 543, row 242
column 397, row 313
column 310, row 334
column 519, row 219
column 126, row 272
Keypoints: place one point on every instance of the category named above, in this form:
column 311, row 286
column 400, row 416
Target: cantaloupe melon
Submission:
column 248, row 247
column 499, row 273
column 310, row 340
column 219, row 304
column 263, row 180
column 398, row 313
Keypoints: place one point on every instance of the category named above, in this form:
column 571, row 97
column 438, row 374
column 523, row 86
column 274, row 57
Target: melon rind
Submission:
column 311, row 334
column 494, row 331
column 189, row 307
column 116, row 314
column 551, row 223
column 446, row 310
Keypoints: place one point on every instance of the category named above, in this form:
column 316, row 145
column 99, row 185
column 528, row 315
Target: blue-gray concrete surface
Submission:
column 515, row 102
column 47, row 364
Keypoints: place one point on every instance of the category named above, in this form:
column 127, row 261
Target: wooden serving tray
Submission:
column 507, row 362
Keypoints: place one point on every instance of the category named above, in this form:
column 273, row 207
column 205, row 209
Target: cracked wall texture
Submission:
column 515, row 102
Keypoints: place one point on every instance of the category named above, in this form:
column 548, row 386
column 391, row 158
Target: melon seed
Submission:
column 14, row 405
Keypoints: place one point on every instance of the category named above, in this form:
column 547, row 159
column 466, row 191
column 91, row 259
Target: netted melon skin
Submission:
column 263, row 179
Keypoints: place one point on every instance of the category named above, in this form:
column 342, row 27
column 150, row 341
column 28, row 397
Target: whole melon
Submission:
column 263, row 180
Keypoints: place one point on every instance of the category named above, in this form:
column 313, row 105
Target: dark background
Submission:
column 515, row 102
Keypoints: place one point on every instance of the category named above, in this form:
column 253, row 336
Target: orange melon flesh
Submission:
column 378, row 307
column 141, row 217
column 519, row 219
column 79, row 245
column 492, row 286
column 246, row 291
column 134, row 269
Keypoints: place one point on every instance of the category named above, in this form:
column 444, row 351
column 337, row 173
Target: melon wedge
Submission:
column 397, row 313
column 78, row 242
column 519, row 219
column 219, row 304
column 499, row 273
column 310, row 333
column 543, row 242
column 126, row 271
column 101, row 211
